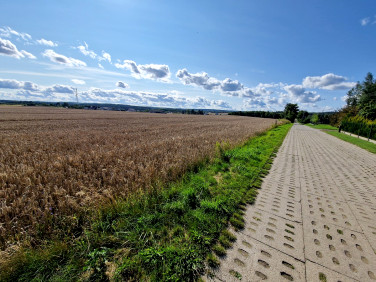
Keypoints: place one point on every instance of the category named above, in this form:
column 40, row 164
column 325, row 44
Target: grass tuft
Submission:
column 219, row 250
column 212, row 261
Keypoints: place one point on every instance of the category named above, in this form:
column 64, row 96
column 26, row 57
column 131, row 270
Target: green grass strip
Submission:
column 369, row 146
column 166, row 235
column 322, row 126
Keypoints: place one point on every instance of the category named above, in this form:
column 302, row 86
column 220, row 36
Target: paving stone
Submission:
column 364, row 212
column 339, row 249
column 280, row 206
column 321, row 188
column 369, row 230
column 327, row 210
column 279, row 233
column 277, row 187
column 251, row 260
column 319, row 273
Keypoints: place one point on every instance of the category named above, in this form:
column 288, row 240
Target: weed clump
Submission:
column 219, row 250
column 212, row 261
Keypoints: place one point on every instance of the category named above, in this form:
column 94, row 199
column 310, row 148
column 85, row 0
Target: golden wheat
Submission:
column 53, row 161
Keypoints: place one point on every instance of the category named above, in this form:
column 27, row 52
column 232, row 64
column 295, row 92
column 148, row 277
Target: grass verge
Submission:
column 322, row 126
column 369, row 146
column 164, row 235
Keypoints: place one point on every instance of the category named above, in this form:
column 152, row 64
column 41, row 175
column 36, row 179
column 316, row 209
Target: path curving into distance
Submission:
column 314, row 218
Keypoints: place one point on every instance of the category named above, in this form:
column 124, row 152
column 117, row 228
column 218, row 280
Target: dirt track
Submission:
column 315, row 216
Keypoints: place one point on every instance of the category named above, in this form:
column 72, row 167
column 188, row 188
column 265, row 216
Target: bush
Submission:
column 360, row 126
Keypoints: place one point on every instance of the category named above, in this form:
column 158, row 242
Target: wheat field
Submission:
column 54, row 161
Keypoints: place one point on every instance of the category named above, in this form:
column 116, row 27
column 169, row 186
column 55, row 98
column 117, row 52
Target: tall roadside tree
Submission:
column 362, row 98
column 291, row 111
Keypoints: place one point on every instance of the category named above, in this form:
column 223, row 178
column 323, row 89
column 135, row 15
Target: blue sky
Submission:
column 241, row 55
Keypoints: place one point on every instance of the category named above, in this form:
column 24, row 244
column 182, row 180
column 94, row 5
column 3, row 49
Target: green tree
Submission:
column 303, row 117
column 315, row 118
column 291, row 111
column 362, row 97
column 368, row 92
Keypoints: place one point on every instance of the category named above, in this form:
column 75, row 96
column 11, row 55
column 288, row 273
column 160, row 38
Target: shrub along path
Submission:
column 314, row 218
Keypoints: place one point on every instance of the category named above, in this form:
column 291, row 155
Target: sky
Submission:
column 232, row 55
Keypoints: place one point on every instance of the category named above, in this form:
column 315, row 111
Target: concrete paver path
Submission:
column 314, row 218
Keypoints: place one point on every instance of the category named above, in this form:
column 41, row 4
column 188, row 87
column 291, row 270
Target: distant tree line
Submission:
column 291, row 112
column 314, row 118
column 193, row 112
column 262, row 114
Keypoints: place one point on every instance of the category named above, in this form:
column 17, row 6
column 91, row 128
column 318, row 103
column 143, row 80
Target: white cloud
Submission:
column 227, row 86
column 78, row 81
column 57, row 92
column 15, row 84
column 61, row 59
column 105, row 57
column 298, row 94
column 200, row 79
column 122, row 84
column 328, row 81
column 8, row 32
column 148, row 71
column 7, row 48
column 144, row 98
column 46, row 42
column 365, row 21
column 28, row 55
column 84, row 49
column 58, row 88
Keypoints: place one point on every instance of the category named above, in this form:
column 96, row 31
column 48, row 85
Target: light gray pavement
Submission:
column 314, row 218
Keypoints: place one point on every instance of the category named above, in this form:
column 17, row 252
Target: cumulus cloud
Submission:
column 61, row 59
column 15, row 84
column 328, row 81
column 299, row 94
column 227, row 86
column 84, row 49
column 58, row 92
column 8, row 32
column 122, row 84
column 148, row 71
column 105, row 57
column 7, row 48
column 78, row 81
column 58, row 88
column 46, row 42
column 28, row 55
column 200, row 79
column 172, row 100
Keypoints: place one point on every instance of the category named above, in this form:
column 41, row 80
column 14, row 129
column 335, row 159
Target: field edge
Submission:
column 167, row 234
